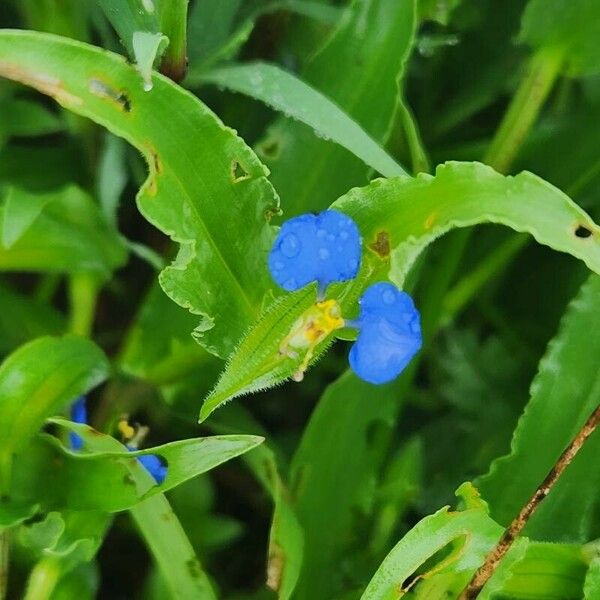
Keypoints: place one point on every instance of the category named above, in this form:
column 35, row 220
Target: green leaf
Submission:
column 367, row 52
column 38, row 380
column 62, row 231
column 398, row 218
column 67, row 539
column 21, row 209
column 284, row 92
column 159, row 346
column 473, row 532
column 12, row 514
column 77, row 480
column 591, row 589
column 112, row 176
column 415, row 212
column 21, row 117
column 286, row 539
column 543, row 571
column 333, row 473
column 151, row 511
column 206, row 189
column 567, row 27
column 128, row 16
column 23, row 318
column 217, row 31
column 563, row 394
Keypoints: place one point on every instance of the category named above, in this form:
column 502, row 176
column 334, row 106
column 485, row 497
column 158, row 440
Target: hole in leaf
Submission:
column 581, row 231
column 443, row 557
column 270, row 149
column 238, row 172
column 102, row 90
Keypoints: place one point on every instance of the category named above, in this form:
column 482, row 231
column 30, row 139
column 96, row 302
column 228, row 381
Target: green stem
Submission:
column 418, row 156
column 43, row 579
column 83, row 292
column 171, row 549
column 523, row 110
column 177, row 366
column 470, row 285
column 173, row 24
column 47, row 287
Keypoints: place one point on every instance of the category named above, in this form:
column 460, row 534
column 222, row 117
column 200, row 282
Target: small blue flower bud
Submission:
column 78, row 415
column 325, row 248
column 389, row 336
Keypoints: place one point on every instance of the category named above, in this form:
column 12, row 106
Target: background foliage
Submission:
column 136, row 215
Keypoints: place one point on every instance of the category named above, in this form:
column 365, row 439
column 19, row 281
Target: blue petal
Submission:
column 389, row 336
column 78, row 415
column 324, row 248
column 154, row 466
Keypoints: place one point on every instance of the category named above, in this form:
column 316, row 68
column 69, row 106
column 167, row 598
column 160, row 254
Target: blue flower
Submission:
column 325, row 248
column 153, row 465
column 78, row 415
column 389, row 335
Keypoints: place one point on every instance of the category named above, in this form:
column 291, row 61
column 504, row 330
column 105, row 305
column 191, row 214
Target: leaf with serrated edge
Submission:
column 206, row 189
column 398, row 219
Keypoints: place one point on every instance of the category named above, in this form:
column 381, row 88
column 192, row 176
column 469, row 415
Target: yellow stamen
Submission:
column 125, row 429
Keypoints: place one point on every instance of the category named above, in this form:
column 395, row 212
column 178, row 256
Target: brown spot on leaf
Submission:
column 430, row 220
column 157, row 163
column 194, row 568
column 381, row 245
column 272, row 211
column 151, row 186
column 275, row 566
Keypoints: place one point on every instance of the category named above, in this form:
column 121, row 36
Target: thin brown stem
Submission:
column 492, row 560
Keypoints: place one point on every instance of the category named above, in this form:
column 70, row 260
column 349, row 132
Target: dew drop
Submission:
column 290, row 284
column 323, row 253
column 344, row 235
column 321, row 233
column 389, row 297
column 290, row 245
column 279, row 265
column 331, row 237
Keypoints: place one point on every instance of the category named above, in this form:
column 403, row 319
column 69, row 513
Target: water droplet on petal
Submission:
column 290, row 245
column 344, row 235
column 331, row 237
column 321, row 233
column 290, row 284
column 279, row 265
column 389, row 297
column 323, row 253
